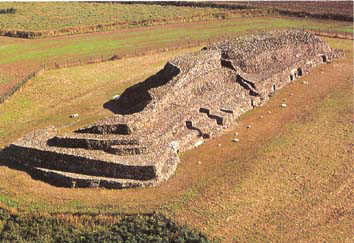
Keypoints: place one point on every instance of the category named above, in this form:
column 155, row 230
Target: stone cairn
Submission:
column 193, row 98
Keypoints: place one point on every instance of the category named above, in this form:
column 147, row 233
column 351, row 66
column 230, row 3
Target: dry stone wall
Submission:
column 193, row 98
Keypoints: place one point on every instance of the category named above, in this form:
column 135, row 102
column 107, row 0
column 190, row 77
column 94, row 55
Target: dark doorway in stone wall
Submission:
column 291, row 77
column 324, row 58
column 273, row 88
column 299, row 72
column 190, row 126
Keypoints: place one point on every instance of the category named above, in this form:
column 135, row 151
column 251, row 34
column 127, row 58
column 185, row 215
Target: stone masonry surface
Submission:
column 194, row 97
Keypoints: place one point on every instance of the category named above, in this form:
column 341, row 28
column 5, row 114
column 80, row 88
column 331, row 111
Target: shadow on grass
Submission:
column 135, row 98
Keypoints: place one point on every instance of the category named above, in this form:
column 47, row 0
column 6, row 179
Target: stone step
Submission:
column 206, row 126
column 90, row 141
column 119, row 150
column 196, row 127
column 222, row 117
column 75, row 180
column 88, row 162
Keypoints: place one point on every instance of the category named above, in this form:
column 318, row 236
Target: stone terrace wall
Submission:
column 193, row 98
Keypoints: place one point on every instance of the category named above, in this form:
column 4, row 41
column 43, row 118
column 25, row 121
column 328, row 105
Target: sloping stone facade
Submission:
column 194, row 97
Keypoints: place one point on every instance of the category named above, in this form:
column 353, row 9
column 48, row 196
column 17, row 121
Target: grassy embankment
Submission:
column 291, row 172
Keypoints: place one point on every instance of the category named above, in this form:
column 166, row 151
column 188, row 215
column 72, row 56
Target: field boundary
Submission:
column 19, row 84
column 85, row 61
column 332, row 34
column 315, row 16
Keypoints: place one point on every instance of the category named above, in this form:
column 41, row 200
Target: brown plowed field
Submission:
column 326, row 8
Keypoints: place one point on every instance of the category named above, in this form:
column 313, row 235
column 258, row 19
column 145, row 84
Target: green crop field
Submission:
column 75, row 17
column 52, row 16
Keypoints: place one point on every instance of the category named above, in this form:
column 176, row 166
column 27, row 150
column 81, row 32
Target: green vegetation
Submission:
column 139, row 228
column 52, row 19
column 126, row 42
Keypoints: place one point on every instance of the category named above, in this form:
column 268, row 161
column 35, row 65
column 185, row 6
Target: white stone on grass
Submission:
column 74, row 115
column 175, row 146
column 198, row 143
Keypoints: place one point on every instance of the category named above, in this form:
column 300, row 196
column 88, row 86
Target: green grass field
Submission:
column 54, row 16
column 44, row 50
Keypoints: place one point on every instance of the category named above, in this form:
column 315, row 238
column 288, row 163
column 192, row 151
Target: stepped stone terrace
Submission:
column 193, row 98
